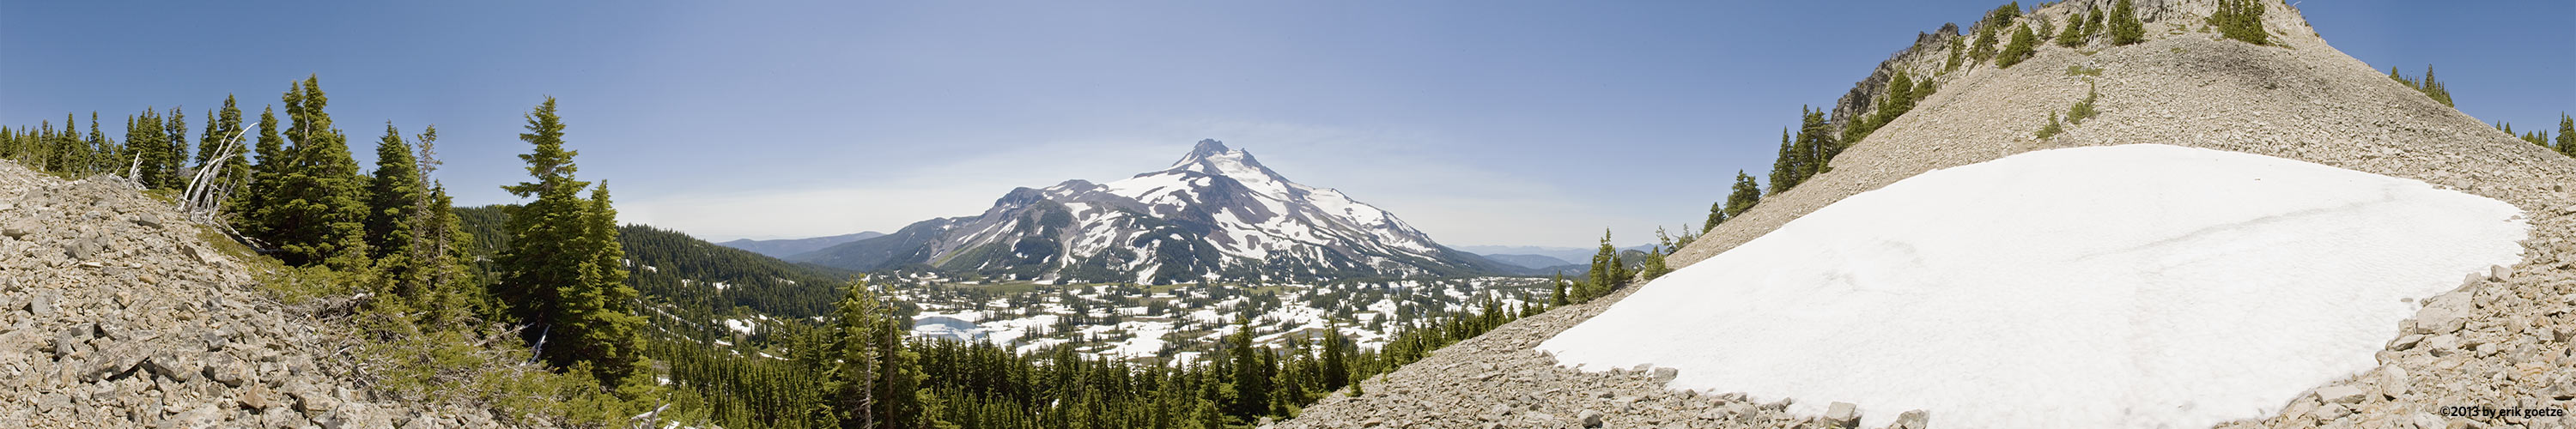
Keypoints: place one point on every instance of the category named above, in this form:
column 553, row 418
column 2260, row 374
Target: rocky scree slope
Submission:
column 118, row 315
column 2501, row 340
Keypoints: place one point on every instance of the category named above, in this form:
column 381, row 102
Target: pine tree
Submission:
column 2241, row 20
column 2566, row 134
column 1251, row 384
column 2125, row 28
column 173, row 151
column 1816, row 145
column 543, row 233
column 1784, row 169
column 2073, row 35
column 1608, row 273
column 1716, row 213
column 2434, row 88
column 394, row 214
column 259, row 193
column 143, row 136
column 104, row 156
column 599, row 312
column 1745, row 196
column 319, row 212
column 2024, row 45
column 1558, row 299
column 220, row 127
column 850, row 377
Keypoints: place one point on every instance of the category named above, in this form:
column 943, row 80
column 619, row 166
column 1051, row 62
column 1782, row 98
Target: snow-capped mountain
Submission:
column 1216, row 214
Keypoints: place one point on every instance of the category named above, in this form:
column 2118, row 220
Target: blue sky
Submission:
column 1482, row 123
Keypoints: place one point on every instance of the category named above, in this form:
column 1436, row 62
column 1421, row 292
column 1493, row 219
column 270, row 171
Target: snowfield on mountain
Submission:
column 2176, row 287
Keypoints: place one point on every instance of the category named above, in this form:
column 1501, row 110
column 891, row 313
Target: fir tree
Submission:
column 220, row 127
column 2241, row 20
column 261, row 190
column 2073, row 35
column 2566, row 134
column 2125, row 28
column 850, row 377
column 173, row 151
column 1558, row 299
column 1746, row 194
column 394, row 214
column 1251, row 384
column 319, row 212
column 2024, row 45
column 1716, row 213
column 143, row 135
column 101, row 155
column 1784, row 169
column 600, row 317
column 1817, row 147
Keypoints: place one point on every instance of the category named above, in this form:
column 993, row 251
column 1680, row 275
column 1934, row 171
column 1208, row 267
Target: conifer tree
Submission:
column 1558, row 299
column 394, row 214
column 2125, row 28
column 173, row 151
column 143, row 136
column 600, row 320
column 69, row 154
column 104, row 156
column 1608, row 273
column 543, row 233
column 2024, row 45
column 2566, row 134
column 1337, row 371
column 2241, row 20
column 260, row 191
column 221, row 126
column 319, row 213
column 850, row 377
column 2073, row 35
column 1784, row 169
column 1716, row 213
column 1816, row 145
column 1251, row 384
column 1745, row 196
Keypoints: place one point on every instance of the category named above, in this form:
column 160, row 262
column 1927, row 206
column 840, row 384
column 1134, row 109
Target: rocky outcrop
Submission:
column 118, row 315
column 2501, row 341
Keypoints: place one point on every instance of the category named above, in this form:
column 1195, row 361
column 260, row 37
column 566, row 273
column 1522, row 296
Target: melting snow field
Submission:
column 2126, row 286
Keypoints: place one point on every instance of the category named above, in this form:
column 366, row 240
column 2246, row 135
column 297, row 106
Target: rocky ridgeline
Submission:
column 118, row 315
column 2500, row 341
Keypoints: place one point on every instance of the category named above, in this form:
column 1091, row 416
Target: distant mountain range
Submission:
column 1217, row 214
column 791, row 247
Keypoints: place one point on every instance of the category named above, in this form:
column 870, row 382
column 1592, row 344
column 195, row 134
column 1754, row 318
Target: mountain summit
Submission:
column 1215, row 214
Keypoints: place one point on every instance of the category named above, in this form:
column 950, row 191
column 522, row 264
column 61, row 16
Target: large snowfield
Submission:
column 2135, row 286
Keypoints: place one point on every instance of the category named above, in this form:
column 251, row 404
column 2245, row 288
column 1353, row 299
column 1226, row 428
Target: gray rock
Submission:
column 2339, row 394
column 1915, row 419
column 2439, row 320
column 1662, row 375
column 1589, row 418
column 2333, row 411
column 2392, row 381
column 1842, row 414
column 19, row 229
column 2499, row 272
column 172, row 366
column 43, row 304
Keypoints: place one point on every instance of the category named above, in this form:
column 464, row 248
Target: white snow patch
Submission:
column 2127, row 286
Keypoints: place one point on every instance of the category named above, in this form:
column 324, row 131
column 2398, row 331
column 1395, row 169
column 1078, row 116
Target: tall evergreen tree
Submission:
column 601, row 323
column 221, row 126
column 1817, row 147
column 1251, row 383
column 394, row 214
column 2566, row 134
column 173, row 150
column 319, row 213
column 104, row 156
column 259, row 193
column 2125, row 28
column 850, row 377
column 2241, row 20
column 1784, row 169
column 143, row 136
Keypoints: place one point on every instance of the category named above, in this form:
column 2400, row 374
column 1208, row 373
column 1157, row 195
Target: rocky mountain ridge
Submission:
column 789, row 247
column 2499, row 341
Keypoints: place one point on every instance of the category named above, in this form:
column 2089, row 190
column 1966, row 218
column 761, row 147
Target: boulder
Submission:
column 1842, row 414
column 2339, row 394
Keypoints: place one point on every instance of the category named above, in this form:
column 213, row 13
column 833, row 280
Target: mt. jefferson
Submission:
column 1216, row 215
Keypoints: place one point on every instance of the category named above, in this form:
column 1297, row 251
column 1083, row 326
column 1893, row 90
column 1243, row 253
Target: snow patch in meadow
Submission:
column 2125, row 286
